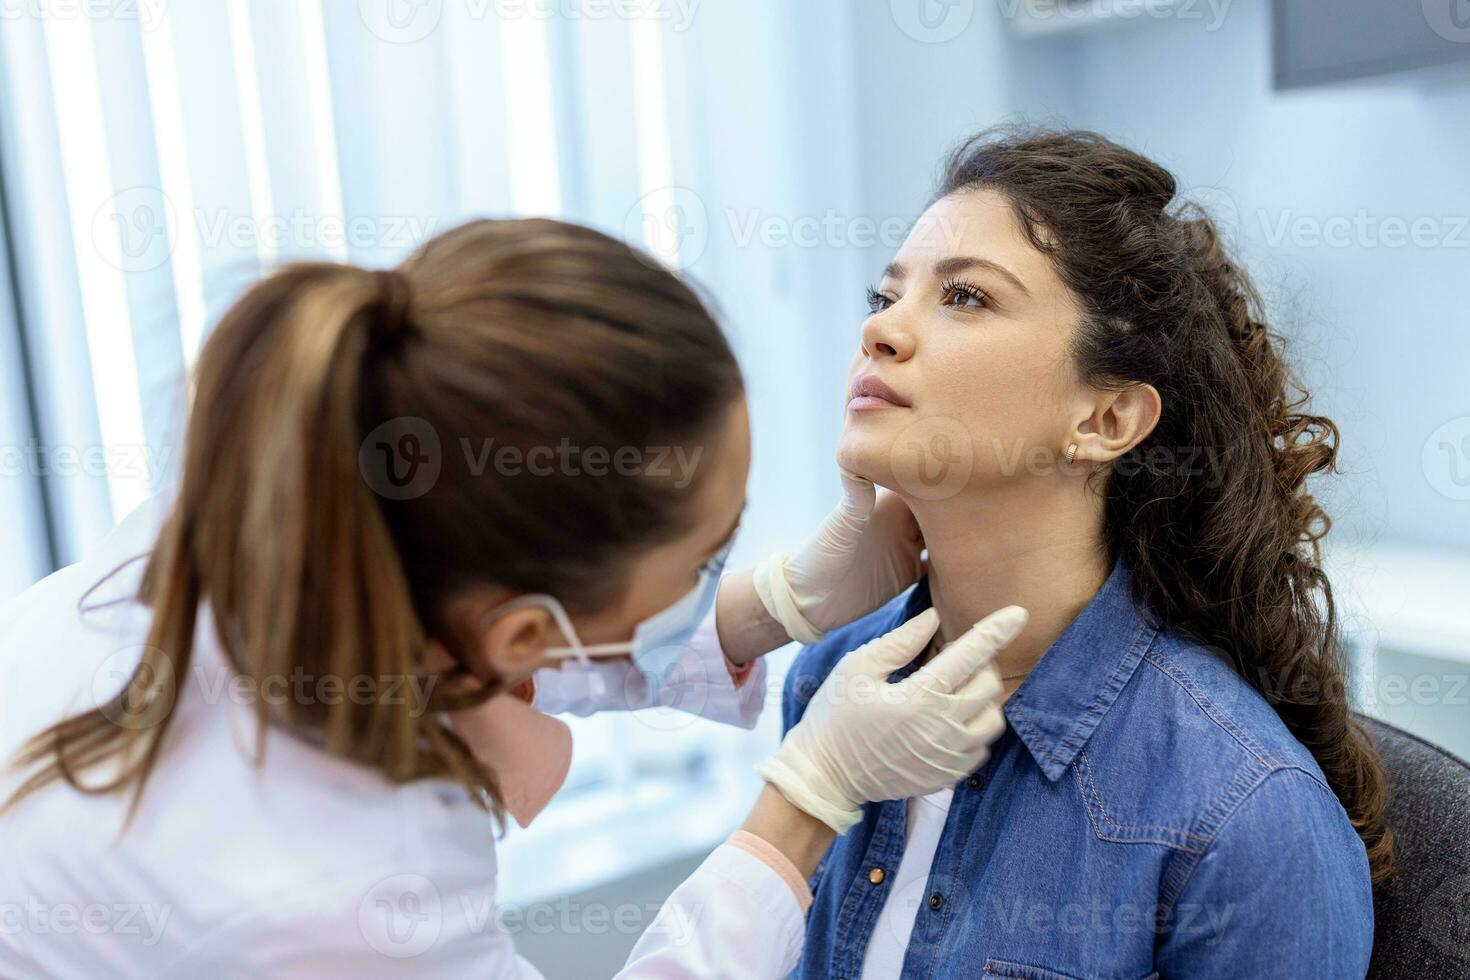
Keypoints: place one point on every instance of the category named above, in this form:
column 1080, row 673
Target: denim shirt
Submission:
column 1145, row 814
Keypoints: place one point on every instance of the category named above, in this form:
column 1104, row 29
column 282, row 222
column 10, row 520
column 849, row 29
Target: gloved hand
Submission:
column 863, row 740
column 865, row 553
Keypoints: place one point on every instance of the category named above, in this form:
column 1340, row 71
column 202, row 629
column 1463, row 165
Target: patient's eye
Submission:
column 957, row 292
column 877, row 302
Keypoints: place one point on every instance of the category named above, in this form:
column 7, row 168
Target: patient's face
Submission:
column 969, row 331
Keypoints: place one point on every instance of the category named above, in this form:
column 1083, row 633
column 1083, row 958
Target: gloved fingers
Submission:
column 828, row 557
column 984, row 727
column 842, row 531
column 858, row 497
column 947, row 754
column 958, row 663
column 985, row 687
column 991, row 723
column 960, row 733
column 899, row 646
column 956, row 760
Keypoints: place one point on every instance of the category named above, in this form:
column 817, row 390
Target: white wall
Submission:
column 1383, row 324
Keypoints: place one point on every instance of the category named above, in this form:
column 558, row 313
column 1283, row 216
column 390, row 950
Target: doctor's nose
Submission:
column 885, row 337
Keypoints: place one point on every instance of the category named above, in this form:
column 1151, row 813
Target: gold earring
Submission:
column 1071, row 454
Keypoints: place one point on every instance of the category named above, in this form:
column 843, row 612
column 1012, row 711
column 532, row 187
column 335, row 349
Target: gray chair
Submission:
column 1422, row 914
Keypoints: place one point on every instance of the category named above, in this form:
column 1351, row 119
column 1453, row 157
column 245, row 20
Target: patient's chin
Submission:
column 866, row 454
column 929, row 458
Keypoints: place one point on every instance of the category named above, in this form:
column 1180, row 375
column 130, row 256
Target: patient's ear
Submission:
column 1118, row 421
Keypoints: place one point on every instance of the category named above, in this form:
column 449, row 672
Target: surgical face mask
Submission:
column 530, row 751
column 660, row 640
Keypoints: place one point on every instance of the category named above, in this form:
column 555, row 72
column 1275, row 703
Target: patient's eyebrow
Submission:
column 959, row 263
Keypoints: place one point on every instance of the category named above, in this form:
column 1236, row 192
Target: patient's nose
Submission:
column 885, row 336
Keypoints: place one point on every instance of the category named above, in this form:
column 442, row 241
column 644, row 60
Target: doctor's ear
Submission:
column 1118, row 421
column 515, row 643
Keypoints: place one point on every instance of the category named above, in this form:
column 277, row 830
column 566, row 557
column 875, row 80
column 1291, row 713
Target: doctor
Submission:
column 264, row 731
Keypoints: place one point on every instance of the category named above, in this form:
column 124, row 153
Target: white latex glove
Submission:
column 865, row 553
column 863, row 740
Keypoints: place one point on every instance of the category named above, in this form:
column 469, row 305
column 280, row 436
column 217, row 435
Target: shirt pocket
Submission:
column 1025, row 971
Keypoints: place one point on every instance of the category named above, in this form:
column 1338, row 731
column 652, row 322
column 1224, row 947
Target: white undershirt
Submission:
column 890, row 940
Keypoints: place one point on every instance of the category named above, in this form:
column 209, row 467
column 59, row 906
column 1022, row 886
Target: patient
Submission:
column 1068, row 379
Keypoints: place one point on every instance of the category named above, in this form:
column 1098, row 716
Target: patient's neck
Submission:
column 1034, row 546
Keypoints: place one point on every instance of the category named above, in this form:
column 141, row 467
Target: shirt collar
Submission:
column 1060, row 703
column 1064, row 698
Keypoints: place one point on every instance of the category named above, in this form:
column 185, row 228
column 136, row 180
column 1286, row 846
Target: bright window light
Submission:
column 651, row 122
column 100, row 219
column 173, row 167
column 252, row 124
column 323, row 117
column 535, row 183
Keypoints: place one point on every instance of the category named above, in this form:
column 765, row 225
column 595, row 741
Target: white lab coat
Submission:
column 305, row 866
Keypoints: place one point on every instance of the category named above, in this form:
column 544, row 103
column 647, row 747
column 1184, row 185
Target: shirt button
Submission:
column 876, row 876
column 936, row 901
column 976, row 782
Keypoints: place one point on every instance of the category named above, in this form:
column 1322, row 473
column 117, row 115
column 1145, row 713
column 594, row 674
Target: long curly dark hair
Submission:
column 1231, row 557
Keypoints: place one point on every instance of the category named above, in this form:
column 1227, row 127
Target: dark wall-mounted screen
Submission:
column 1319, row 41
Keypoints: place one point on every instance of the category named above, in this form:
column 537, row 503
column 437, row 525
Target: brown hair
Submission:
column 1232, row 559
column 313, row 555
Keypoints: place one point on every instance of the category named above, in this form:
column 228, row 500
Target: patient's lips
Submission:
column 868, row 393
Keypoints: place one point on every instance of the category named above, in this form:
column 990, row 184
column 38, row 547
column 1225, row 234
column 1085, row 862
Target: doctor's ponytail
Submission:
column 340, row 486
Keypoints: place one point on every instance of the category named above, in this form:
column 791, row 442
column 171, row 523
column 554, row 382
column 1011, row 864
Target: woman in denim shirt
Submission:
column 1068, row 379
